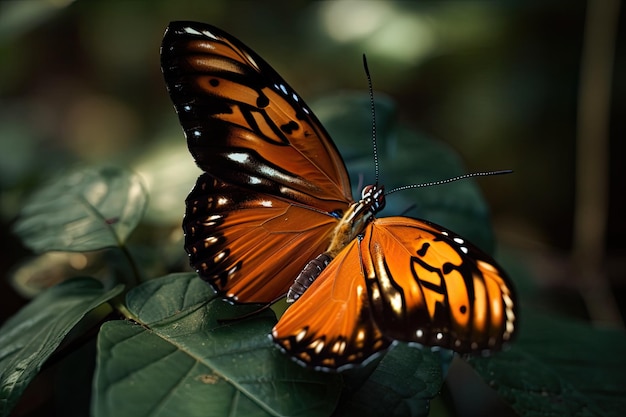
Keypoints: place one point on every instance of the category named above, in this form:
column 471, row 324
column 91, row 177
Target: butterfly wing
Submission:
column 268, row 161
column 431, row 286
column 244, row 124
column 331, row 326
column 406, row 280
column 250, row 245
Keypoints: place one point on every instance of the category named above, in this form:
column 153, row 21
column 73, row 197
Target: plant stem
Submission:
column 592, row 160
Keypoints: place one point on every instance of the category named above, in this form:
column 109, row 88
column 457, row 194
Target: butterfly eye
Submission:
column 374, row 196
column 367, row 191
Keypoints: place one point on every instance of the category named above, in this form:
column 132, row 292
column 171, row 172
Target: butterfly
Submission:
column 273, row 214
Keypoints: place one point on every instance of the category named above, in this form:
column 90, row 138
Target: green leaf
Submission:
column 85, row 210
column 403, row 384
column 560, row 367
column 182, row 360
column 31, row 336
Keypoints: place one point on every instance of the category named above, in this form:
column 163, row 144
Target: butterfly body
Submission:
column 351, row 225
column 274, row 205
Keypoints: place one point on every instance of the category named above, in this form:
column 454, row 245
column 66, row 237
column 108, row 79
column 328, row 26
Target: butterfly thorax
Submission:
column 354, row 220
column 351, row 225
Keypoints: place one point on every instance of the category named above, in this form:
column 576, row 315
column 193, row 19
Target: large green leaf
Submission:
column 31, row 336
column 85, row 210
column 560, row 367
column 181, row 360
column 403, row 384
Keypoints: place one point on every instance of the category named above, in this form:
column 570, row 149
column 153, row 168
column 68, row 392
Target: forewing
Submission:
column 428, row 285
column 331, row 325
column 250, row 246
column 244, row 124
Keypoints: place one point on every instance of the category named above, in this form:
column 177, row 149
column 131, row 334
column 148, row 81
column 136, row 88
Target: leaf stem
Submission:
column 134, row 278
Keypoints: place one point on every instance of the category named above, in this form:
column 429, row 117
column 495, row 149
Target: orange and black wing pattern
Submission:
column 331, row 326
column 260, row 146
column 244, row 124
column 403, row 279
column 247, row 244
column 431, row 286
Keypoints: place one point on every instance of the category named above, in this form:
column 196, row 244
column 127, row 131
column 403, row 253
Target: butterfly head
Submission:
column 373, row 196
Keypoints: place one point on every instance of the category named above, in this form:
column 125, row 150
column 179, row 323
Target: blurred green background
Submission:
column 500, row 82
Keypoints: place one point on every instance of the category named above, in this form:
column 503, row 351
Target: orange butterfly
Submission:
column 274, row 204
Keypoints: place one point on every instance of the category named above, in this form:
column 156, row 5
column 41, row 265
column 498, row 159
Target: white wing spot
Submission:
column 300, row 335
column 240, row 157
column 207, row 34
column 360, row 336
column 317, row 346
column 192, row 31
column 339, row 347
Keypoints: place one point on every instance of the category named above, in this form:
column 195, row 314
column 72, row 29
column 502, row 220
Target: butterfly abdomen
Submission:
column 307, row 276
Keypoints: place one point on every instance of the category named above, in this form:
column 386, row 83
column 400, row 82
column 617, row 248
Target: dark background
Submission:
column 499, row 82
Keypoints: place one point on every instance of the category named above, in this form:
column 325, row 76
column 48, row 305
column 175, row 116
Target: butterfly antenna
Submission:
column 373, row 108
column 448, row 180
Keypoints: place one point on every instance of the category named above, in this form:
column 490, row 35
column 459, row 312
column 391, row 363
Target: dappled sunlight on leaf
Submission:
column 48, row 269
column 82, row 211
column 169, row 172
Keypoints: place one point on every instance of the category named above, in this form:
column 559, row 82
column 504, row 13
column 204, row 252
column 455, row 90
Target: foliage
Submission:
column 32, row 335
column 560, row 367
